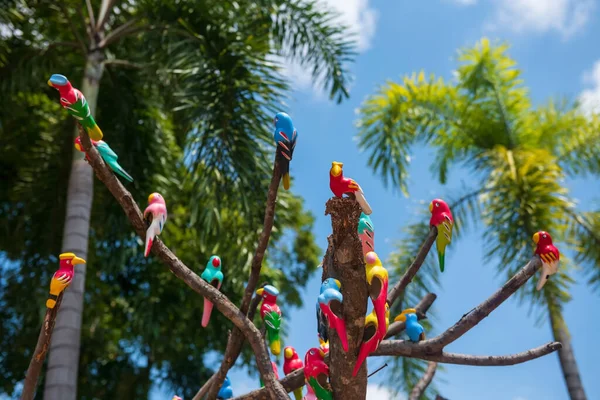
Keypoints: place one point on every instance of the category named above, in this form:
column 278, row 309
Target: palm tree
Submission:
column 212, row 83
column 518, row 154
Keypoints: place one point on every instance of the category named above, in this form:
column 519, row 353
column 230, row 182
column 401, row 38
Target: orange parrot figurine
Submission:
column 549, row 255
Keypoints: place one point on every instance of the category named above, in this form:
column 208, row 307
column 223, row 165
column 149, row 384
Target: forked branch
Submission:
column 424, row 382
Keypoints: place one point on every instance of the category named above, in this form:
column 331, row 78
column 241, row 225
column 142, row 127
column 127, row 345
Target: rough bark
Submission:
column 566, row 356
column 344, row 261
column 63, row 360
column 424, row 382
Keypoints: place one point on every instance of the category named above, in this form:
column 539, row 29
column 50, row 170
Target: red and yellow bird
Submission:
column 292, row 363
column 549, row 255
column 340, row 185
column 63, row 277
column 371, row 337
column 377, row 280
column 441, row 218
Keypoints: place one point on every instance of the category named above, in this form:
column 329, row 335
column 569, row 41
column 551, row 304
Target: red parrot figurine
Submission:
column 441, row 218
column 316, row 374
column 63, row 276
column 292, row 363
column 549, row 255
column 377, row 280
column 340, row 185
column 271, row 315
column 371, row 337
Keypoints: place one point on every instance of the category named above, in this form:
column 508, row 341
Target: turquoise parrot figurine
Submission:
column 414, row 330
column 226, row 391
column 108, row 155
column 366, row 233
column 214, row 276
column 330, row 302
column 75, row 103
column 316, row 374
column 271, row 315
column 285, row 136
column 441, row 218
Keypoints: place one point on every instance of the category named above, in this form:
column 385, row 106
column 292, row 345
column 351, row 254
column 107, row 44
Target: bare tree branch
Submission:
column 76, row 36
column 41, row 349
column 126, row 29
column 422, row 308
column 410, row 273
column 124, row 63
column 105, row 9
column 234, row 345
column 424, row 382
column 90, row 11
column 221, row 302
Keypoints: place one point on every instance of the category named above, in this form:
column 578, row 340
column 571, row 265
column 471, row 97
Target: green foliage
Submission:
column 518, row 155
column 185, row 101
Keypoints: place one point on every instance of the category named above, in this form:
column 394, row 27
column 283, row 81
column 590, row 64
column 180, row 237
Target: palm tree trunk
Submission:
column 566, row 356
column 63, row 361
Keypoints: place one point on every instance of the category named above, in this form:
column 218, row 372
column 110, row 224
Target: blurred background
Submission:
column 491, row 105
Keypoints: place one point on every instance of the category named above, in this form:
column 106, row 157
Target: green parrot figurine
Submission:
column 271, row 315
column 107, row 154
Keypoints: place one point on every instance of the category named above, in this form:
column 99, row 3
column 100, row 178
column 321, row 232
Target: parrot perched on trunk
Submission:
column 75, row 103
column 377, row 280
column 441, row 218
column 213, row 275
column 285, row 136
column 316, row 374
column 292, row 363
column 322, row 327
column 63, row 276
column 108, row 155
column 340, row 186
column 366, row 233
column 274, row 366
column 330, row 302
column 226, row 391
column 371, row 337
column 155, row 216
column 271, row 315
column 549, row 255
column 414, row 330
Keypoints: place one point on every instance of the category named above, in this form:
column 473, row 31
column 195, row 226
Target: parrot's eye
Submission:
column 544, row 236
column 68, row 262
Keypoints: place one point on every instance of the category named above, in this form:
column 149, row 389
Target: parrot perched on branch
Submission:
column 414, row 330
column 330, row 302
column 271, row 315
column 549, row 255
column 155, row 216
column 108, row 155
column 213, row 275
column 441, row 218
column 316, row 374
column 366, row 233
column 63, row 276
column 371, row 337
column 75, row 103
column 226, row 391
column 285, row 136
column 377, row 281
column 292, row 363
column 340, row 186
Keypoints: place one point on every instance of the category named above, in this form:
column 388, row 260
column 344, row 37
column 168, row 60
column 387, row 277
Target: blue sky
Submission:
column 555, row 44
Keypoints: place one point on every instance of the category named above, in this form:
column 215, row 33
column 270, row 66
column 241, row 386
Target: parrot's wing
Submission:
column 105, row 151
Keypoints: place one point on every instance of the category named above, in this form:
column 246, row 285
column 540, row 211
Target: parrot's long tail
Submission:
column 275, row 346
column 150, row 233
column 51, row 302
column 298, row 394
column 544, row 275
column 441, row 259
column 119, row 170
column 360, row 198
column 284, row 152
column 208, row 306
column 95, row 133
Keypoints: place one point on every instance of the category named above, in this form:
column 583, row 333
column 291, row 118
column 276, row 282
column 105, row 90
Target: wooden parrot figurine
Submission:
column 274, row 366
column 285, row 136
column 176, row 398
column 310, row 394
column 549, row 255
column 414, row 329
column 330, row 302
column 377, row 280
column 63, row 276
column 441, row 218
column 316, row 374
column 213, row 275
column 371, row 337
column 292, row 363
column 340, row 186
column 366, row 233
column 155, row 216
column 226, row 391
column 75, row 103
column 108, row 155
column 271, row 315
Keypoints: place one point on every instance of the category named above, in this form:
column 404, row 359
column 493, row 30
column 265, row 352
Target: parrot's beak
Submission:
column 78, row 147
column 338, row 283
column 150, row 198
column 431, row 207
column 536, row 238
column 77, row 260
column 409, row 311
column 50, row 83
column 288, row 353
column 400, row 318
column 260, row 291
column 336, row 168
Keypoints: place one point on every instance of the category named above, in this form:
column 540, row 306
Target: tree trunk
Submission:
column 566, row 356
column 63, row 361
column 344, row 261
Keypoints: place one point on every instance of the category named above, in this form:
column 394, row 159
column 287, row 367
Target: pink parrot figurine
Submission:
column 156, row 216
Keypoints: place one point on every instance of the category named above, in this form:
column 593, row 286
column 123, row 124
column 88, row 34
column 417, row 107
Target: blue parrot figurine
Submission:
column 285, row 136
column 330, row 301
column 328, row 283
column 226, row 392
column 414, row 330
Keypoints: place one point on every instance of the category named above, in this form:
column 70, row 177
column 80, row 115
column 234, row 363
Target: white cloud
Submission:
column 564, row 16
column 374, row 392
column 590, row 98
